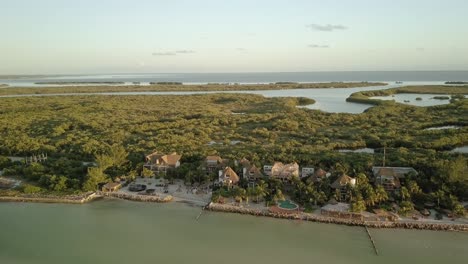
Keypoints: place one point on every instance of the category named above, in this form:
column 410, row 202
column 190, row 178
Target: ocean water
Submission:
column 267, row 77
column 115, row 231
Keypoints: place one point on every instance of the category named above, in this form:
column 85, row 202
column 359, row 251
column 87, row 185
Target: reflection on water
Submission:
column 361, row 150
column 115, row 231
column 415, row 99
column 442, row 128
column 463, row 149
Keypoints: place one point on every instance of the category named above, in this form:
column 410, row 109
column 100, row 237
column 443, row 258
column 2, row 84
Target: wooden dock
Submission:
column 372, row 240
column 202, row 209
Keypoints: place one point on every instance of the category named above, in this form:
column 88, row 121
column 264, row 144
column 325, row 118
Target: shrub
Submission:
column 31, row 189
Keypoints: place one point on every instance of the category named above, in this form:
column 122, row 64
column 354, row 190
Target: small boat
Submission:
column 399, row 82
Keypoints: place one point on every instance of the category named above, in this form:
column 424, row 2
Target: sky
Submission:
column 152, row 36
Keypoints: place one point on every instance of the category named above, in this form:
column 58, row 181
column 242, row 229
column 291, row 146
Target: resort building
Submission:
column 213, row 163
column 282, row 171
column 249, row 171
column 111, row 187
column 319, row 175
column 252, row 173
column 341, row 184
column 161, row 163
column 307, row 171
column 267, row 169
column 228, row 177
column 389, row 177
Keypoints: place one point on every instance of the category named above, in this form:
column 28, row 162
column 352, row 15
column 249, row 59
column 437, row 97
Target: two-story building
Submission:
column 283, row 172
column 390, row 177
column 213, row 163
column 161, row 163
column 341, row 184
column 228, row 177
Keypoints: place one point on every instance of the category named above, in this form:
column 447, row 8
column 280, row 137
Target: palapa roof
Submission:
column 230, row 174
column 214, row 158
column 153, row 156
column 285, row 170
column 320, row 173
column 170, row 159
column 111, row 185
column 254, row 171
column 244, row 162
column 386, row 171
column 399, row 172
column 343, row 180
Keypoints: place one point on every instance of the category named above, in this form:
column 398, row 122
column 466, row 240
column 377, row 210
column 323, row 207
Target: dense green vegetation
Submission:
column 166, row 87
column 117, row 131
column 364, row 96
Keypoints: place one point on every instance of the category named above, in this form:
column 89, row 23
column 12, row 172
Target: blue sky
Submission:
column 139, row 36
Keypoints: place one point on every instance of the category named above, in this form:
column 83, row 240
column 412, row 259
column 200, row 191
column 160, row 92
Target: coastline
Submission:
column 215, row 207
column 90, row 197
column 136, row 197
column 81, row 199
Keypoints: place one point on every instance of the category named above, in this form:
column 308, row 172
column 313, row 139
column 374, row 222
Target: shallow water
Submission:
column 463, row 149
column 256, row 77
column 361, row 150
column 328, row 100
column 442, row 128
column 410, row 99
column 114, row 231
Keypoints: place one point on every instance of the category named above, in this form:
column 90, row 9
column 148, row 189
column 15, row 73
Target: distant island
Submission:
column 456, row 82
column 166, row 83
column 77, row 83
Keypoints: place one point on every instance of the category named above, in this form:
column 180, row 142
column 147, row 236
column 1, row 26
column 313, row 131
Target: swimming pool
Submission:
column 288, row 205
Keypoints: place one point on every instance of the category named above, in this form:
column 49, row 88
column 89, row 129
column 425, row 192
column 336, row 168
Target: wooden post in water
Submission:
column 203, row 208
column 372, row 240
column 199, row 215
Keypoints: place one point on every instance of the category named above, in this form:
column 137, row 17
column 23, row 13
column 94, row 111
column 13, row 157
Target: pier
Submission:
column 372, row 241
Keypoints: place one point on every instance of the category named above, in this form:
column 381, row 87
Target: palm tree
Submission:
column 300, row 188
column 279, row 196
column 371, row 197
column 261, row 189
column 358, row 205
column 405, row 194
column 439, row 195
column 380, row 194
column 240, row 194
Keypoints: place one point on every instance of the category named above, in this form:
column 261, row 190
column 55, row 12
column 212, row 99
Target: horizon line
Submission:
column 240, row 72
